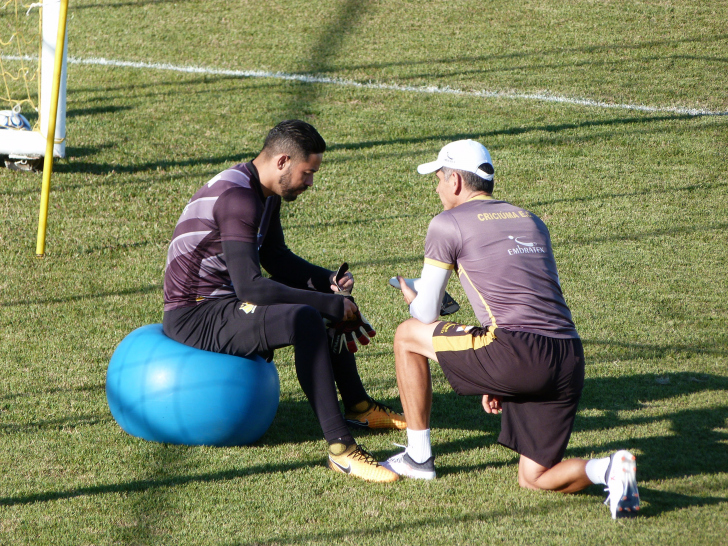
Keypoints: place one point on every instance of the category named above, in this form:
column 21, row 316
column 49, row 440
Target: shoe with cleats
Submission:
column 623, row 499
column 372, row 414
column 356, row 461
column 405, row 466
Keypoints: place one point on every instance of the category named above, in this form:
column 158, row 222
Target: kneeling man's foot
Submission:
column 624, row 499
column 404, row 465
column 372, row 414
column 356, row 461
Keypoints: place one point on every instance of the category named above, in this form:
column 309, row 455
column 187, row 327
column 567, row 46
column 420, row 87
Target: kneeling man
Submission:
column 526, row 358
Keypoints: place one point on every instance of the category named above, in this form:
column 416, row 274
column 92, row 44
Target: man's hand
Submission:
column 448, row 306
column 350, row 310
column 353, row 326
column 346, row 284
column 492, row 404
column 343, row 281
column 407, row 292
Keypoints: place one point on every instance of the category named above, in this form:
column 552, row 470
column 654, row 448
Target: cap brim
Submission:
column 427, row 168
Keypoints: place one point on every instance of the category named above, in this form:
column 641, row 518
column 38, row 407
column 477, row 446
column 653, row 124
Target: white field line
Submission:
column 308, row 78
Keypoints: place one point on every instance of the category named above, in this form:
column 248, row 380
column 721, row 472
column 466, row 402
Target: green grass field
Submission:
column 636, row 201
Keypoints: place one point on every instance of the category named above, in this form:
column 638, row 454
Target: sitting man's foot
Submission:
column 356, row 461
column 623, row 500
column 404, row 465
column 372, row 414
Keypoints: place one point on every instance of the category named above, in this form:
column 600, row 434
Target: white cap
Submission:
column 462, row 155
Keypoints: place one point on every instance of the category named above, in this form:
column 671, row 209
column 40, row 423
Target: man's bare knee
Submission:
column 526, row 484
column 400, row 333
column 412, row 336
column 529, row 473
column 404, row 336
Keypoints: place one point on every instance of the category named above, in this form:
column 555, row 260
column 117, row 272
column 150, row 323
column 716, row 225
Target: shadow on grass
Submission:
column 605, row 64
column 95, row 111
column 108, row 170
column 491, row 57
column 165, row 164
column 146, row 512
column 80, row 388
column 663, row 502
column 322, row 51
column 158, row 88
column 140, row 3
column 438, row 139
column 638, row 193
column 85, row 151
column 298, row 108
column 680, row 433
column 161, row 475
column 55, row 424
column 645, row 351
column 671, row 231
column 662, row 456
column 82, row 297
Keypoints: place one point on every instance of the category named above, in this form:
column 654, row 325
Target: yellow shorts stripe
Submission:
column 461, row 341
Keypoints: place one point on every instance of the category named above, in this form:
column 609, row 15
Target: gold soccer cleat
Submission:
column 372, row 414
column 357, row 461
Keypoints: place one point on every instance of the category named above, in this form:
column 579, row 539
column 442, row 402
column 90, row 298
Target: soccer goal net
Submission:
column 28, row 34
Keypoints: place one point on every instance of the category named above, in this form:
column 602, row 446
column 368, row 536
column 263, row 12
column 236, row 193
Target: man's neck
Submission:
column 464, row 198
column 264, row 175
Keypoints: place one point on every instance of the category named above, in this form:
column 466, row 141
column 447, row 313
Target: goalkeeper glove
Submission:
column 345, row 334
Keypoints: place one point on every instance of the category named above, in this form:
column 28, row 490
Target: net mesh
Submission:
column 20, row 44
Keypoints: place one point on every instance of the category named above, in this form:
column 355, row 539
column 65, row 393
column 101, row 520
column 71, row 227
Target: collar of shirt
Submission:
column 255, row 180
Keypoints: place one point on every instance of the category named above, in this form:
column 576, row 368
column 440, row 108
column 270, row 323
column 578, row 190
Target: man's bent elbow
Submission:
column 426, row 314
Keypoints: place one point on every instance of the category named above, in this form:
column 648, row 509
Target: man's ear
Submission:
column 281, row 161
column 457, row 182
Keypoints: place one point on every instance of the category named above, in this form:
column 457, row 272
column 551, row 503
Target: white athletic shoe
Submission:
column 405, row 466
column 623, row 499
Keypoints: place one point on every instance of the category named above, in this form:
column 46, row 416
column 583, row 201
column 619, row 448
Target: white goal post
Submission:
column 32, row 144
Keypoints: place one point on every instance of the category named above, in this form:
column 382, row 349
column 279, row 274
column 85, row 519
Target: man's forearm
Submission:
column 430, row 290
column 250, row 286
column 293, row 270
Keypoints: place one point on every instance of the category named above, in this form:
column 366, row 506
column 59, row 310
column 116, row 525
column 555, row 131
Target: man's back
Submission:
column 503, row 256
column 194, row 268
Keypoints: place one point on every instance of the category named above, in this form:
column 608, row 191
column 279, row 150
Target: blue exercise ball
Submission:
column 164, row 391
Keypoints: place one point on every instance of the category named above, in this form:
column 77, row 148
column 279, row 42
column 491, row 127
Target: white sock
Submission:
column 418, row 445
column 596, row 470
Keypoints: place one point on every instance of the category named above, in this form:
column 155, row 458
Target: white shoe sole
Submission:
column 624, row 499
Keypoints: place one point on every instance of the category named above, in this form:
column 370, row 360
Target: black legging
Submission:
column 221, row 326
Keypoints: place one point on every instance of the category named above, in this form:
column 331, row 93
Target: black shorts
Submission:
column 227, row 325
column 540, row 379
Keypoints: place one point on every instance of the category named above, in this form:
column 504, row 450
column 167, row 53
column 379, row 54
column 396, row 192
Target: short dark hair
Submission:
column 472, row 180
column 295, row 138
